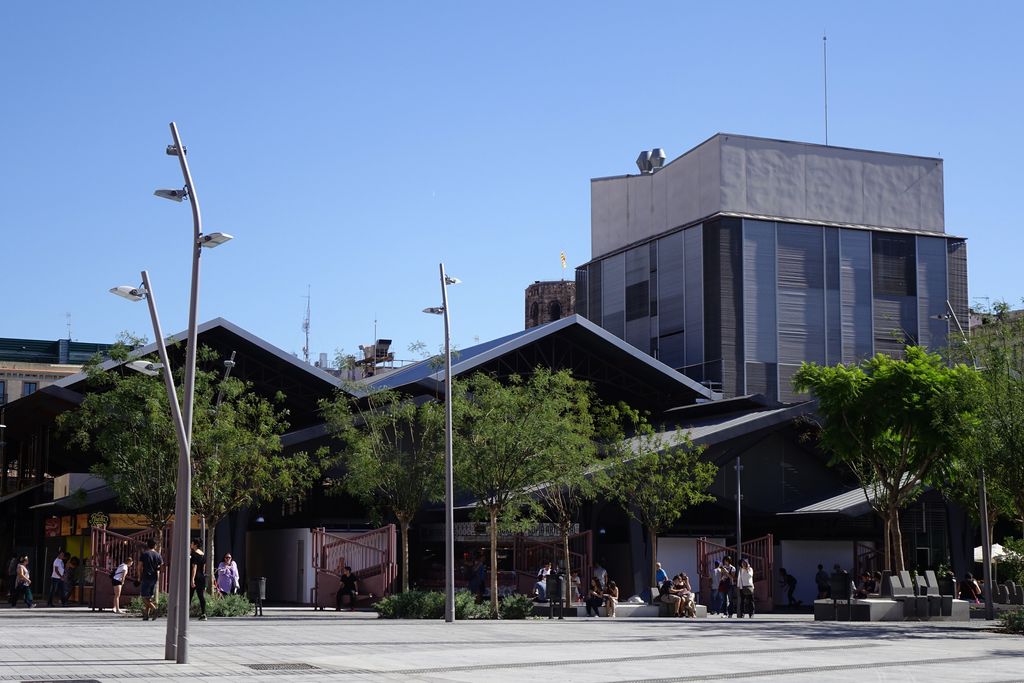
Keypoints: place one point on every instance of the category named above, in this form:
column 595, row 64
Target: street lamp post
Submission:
column 449, row 498
column 986, row 536
column 176, row 645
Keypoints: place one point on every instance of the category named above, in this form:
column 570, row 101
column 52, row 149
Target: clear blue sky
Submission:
column 351, row 146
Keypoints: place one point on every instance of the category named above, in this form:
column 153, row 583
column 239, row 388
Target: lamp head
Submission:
column 213, row 239
column 145, row 367
column 172, row 150
column 449, row 280
column 434, row 310
column 173, row 195
column 129, row 292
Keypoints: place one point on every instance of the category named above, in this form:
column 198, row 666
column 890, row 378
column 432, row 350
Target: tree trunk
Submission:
column 654, row 559
column 887, row 542
column 567, row 585
column 403, row 524
column 897, row 538
column 493, row 529
column 211, row 555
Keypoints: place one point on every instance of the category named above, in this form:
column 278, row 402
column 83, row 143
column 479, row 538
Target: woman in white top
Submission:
column 745, row 583
column 118, row 578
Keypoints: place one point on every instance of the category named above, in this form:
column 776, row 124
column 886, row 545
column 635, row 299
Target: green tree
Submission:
column 661, row 474
column 997, row 348
column 126, row 421
column 511, row 437
column 393, row 454
column 236, row 448
column 578, row 473
column 892, row 421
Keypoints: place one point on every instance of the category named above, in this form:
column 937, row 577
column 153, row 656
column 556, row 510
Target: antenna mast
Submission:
column 824, row 57
column 305, row 328
column 68, row 317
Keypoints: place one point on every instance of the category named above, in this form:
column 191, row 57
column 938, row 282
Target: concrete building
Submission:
column 746, row 256
column 27, row 365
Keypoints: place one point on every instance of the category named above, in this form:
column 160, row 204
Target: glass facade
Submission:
column 739, row 304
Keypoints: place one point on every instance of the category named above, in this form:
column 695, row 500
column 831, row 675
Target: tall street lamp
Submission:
column 986, row 537
column 176, row 645
column 449, row 498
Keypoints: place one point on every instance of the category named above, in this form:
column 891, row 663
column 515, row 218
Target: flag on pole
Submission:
column 563, row 260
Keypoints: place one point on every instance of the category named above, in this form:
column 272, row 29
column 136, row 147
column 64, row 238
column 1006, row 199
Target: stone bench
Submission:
column 883, row 609
column 623, row 610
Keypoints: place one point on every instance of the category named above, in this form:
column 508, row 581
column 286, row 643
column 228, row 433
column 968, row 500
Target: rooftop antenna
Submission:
column 305, row 328
column 824, row 57
column 67, row 317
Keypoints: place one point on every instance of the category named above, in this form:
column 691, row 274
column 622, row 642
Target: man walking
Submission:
column 347, row 587
column 151, row 562
column 57, row 580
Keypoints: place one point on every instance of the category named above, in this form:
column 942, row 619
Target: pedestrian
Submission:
column 600, row 573
column 12, row 574
column 789, row 581
column 595, row 597
column 477, row 578
column 57, row 579
column 540, row 589
column 822, row 581
column 118, row 578
column 347, row 587
column 745, row 584
column 726, row 585
column 660, row 575
column 23, row 584
column 227, row 576
column 197, row 560
column 70, row 577
column 716, row 580
column 611, row 598
column 151, row 562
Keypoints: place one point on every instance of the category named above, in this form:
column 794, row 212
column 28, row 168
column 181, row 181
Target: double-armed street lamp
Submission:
column 176, row 644
column 449, row 498
column 986, row 536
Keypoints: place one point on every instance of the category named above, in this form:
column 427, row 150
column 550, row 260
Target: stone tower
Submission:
column 549, row 301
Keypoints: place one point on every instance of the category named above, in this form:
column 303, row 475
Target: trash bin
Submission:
column 257, row 594
column 555, row 589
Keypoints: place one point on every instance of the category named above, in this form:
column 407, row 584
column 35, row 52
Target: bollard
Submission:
column 258, row 593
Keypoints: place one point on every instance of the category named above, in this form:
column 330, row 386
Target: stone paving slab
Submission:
column 302, row 645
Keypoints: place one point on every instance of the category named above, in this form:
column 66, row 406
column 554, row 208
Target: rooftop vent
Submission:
column 649, row 162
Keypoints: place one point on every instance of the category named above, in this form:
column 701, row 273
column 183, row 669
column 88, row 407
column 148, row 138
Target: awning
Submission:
column 851, row 504
column 10, row 496
column 78, row 500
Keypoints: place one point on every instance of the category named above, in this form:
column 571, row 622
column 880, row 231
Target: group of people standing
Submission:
column 732, row 589
column 151, row 562
column 62, row 579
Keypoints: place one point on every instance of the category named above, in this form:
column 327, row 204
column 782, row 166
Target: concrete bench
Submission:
column 623, row 610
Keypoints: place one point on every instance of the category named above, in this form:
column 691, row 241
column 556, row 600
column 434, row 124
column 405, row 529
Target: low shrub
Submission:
column 411, row 605
column 1012, row 622
column 430, row 605
column 516, row 607
column 225, row 606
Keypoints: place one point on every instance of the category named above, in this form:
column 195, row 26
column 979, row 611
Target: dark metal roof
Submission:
column 574, row 343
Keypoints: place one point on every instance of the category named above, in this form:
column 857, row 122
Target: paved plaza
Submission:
column 302, row 645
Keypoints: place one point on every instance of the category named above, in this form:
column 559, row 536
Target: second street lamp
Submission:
column 449, row 498
column 986, row 536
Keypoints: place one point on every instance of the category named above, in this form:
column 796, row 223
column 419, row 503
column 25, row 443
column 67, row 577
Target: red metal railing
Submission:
column 530, row 555
column 372, row 557
column 759, row 552
column 109, row 549
column 867, row 558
